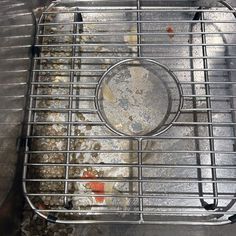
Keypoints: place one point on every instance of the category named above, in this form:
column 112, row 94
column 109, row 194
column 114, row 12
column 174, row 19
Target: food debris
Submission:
column 97, row 146
column 132, row 37
column 81, row 116
column 88, row 127
column 94, row 154
column 107, row 93
column 96, row 187
column 119, row 126
column 171, row 31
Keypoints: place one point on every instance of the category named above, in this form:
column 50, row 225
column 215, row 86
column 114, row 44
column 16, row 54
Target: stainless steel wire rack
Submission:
column 76, row 170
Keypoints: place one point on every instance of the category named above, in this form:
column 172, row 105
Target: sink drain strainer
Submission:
column 138, row 97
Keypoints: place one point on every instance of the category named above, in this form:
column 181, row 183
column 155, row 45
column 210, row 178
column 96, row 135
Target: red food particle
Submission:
column 170, row 30
column 96, row 187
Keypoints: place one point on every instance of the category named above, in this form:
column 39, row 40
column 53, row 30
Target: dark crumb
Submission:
column 101, row 174
column 97, row 146
column 94, row 154
column 81, row 116
column 88, row 127
column 131, row 118
column 81, row 156
column 77, row 132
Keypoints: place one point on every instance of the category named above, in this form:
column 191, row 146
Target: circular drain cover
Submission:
column 138, row 97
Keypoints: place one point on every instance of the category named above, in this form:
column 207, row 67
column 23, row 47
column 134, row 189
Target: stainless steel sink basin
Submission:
column 184, row 175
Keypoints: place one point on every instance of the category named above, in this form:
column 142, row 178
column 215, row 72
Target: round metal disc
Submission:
column 135, row 97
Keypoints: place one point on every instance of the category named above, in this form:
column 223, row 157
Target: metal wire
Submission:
column 161, row 172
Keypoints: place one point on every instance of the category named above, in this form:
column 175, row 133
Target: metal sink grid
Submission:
column 78, row 170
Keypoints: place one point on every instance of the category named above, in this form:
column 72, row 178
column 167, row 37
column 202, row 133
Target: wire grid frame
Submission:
column 78, row 171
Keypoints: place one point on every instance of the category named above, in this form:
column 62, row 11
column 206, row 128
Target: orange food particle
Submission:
column 96, row 187
column 170, row 30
